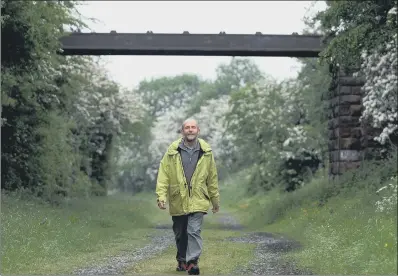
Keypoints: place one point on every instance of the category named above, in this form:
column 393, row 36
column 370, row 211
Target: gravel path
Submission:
column 268, row 253
column 114, row 265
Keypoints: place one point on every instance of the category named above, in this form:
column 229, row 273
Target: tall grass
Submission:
column 40, row 238
column 340, row 223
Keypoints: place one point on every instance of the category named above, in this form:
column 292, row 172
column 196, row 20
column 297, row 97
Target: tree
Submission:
column 33, row 96
column 63, row 120
column 354, row 26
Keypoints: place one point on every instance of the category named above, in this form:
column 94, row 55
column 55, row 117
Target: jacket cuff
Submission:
column 161, row 199
column 215, row 201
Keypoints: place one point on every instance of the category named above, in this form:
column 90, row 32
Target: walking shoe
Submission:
column 193, row 268
column 181, row 266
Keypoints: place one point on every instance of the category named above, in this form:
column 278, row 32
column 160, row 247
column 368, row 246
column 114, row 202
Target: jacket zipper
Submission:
column 190, row 185
column 190, row 182
column 182, row 167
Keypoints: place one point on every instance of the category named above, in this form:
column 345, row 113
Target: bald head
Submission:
column 189, row 121
column 190, row 129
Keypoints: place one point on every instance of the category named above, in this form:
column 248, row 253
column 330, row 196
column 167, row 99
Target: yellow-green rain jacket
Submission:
column 172, row 187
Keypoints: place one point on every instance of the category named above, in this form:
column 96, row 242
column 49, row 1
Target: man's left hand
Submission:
column 162, row 205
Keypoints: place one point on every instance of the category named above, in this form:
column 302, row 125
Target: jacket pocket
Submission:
column 175, row 201
column 205, row 193
column 174, row 192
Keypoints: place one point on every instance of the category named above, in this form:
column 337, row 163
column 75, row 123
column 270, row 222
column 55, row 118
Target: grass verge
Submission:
column 219, row 256
column 343, row 235
column 41, row 239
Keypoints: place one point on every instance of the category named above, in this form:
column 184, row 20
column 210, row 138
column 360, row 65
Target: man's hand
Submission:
column 161, row 205
column 215, row 209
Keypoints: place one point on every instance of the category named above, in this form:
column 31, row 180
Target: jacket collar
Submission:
column 173, row 148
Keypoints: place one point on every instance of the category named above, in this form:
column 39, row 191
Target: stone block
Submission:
column 345, row 156
column 349, row 99
column 356, row 110
column 345, row 132
column 348, row 110
column 356, row 90
column 345, row 90
column 344, row 121
column 345, row 144
column 344, row 100
column 341, row 167
column 351, row 81
column 348, row 121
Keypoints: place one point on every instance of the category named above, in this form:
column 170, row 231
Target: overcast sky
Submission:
column 245, row 17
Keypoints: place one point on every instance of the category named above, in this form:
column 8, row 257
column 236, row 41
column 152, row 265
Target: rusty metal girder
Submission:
column 186, row 44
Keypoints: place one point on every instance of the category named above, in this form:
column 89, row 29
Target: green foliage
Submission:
column 29, row 72
column 355, row 26
column 164, row 93
column 61, row 116
column 239, row 73
column 269, row 123
column 56, row 161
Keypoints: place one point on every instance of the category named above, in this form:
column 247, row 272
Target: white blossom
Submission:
column 379, row 68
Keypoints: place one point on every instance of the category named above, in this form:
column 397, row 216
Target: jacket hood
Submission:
column 174, row 146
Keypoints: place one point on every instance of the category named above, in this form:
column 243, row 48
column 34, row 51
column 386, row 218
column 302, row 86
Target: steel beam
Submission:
column 186, row 44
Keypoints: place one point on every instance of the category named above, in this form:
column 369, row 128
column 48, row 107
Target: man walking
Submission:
column 188, row 179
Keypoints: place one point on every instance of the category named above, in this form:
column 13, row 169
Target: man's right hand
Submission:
column 216, row 208
column 161, row 205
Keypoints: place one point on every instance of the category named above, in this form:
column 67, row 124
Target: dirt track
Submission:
column 267, row 255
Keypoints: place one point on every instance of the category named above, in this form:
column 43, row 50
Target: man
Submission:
column 188, row 179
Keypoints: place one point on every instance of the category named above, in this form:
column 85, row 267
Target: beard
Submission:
column 190, row 137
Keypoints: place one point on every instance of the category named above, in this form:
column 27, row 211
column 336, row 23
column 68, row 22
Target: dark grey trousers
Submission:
column 187, row 229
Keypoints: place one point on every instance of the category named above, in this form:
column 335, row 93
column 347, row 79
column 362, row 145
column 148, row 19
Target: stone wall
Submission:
column 347, row 138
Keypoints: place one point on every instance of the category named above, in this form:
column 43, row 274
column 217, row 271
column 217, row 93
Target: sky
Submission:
column 244, row 17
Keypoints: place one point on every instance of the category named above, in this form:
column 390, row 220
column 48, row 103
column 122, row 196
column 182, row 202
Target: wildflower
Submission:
column 387, row 203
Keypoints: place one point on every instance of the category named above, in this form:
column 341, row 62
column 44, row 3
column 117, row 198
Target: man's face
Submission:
column 190, row 130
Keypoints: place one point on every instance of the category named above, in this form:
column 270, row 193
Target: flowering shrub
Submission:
column 211, row 119
column 267, row 122
column 380, row 90
column 297, row 144
column 164, row 131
